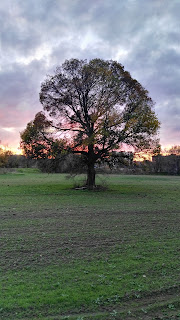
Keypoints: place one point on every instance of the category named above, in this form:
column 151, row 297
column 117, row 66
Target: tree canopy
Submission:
column 95, row 107
column 37, row 140
column 4, row 156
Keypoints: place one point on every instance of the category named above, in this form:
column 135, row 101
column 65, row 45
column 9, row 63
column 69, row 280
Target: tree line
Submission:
column 118, row 162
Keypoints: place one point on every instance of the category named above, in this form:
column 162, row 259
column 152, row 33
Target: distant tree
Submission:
column 4, row 156
column 20, row 161
column 147, row 154
column 97, row 106
column 174, row 150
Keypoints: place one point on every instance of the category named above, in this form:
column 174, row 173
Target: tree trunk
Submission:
column 91, row 159
column 90, row 176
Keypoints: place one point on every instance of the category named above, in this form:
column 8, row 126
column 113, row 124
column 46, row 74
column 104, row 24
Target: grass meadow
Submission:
column 78, row 254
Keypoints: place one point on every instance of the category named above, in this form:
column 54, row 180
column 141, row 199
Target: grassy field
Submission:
column 73, row 254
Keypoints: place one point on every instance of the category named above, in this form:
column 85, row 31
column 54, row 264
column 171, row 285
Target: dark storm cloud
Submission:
column 38, row 35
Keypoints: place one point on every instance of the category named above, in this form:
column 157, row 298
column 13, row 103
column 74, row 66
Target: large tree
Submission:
column 96, row 106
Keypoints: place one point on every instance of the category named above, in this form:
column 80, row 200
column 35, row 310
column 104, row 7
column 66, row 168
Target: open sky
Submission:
column 38, row 35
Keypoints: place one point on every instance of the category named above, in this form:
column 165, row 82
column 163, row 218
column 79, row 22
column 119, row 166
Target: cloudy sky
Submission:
column 38, row 35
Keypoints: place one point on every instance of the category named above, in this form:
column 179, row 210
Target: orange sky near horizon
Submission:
column 141, row 156
column 14, row 150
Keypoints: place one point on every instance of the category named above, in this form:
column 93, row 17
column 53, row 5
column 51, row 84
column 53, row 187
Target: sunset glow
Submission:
column 14, row 150
column 17, row 151
column 32, row 47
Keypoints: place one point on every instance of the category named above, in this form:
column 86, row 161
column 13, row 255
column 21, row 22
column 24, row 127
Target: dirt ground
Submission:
column 40, row 238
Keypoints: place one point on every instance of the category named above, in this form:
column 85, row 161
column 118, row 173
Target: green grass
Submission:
column 75, row 254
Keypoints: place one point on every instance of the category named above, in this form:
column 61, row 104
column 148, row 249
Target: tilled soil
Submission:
column 37, row 239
